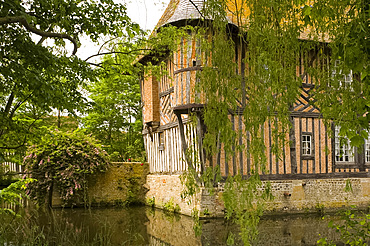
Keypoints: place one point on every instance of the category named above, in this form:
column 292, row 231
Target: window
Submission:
column 161, row 141
column 306, row 144
column 343, row 150
column 345, row 80
column 367, row 149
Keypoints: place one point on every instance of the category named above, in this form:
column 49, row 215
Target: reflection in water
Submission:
column 146, row 226
column 120, row 226
column 282, row 230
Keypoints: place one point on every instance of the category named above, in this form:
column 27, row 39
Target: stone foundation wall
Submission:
column 327, row 194
column 168, row 188
column 291, row 196
column 122, row 183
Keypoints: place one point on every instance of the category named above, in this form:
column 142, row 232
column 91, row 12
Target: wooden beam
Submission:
column 305, row 176
column 292, row 140
column 188, row 69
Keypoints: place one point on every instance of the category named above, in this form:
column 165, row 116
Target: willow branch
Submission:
column 95, row 64
column 196, row 7
column 19, row 104
column 22, row 20
column 16, row 147
column 114, row 52
column 110, row 40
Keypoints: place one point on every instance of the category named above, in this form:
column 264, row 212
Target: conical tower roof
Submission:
column 178, row 10
column 182, row 10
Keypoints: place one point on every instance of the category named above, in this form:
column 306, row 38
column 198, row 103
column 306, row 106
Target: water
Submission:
column 145, row 226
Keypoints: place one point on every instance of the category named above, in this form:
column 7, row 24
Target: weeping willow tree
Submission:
column 271, row 36
column 346, row 27
column 250, row 68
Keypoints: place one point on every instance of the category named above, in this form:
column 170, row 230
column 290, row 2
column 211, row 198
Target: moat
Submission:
column 147, row 226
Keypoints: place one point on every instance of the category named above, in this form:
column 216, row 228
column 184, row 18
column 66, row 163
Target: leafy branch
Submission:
column 22, row 20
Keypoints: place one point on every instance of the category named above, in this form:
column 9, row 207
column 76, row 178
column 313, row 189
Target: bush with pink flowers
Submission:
column 61, row 161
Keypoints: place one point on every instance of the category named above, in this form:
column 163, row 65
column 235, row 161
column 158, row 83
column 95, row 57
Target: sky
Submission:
column 144, row 12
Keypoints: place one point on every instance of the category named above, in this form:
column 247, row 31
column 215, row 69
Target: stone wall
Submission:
column 291, row 196
column 168, row 188
column 122, row 183
column 319, row 194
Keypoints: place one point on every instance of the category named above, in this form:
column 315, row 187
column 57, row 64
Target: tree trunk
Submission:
column 50, row 196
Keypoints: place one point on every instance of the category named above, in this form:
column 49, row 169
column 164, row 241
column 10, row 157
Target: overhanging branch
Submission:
column 196, row 7
column 22, row 20
column 115, row 52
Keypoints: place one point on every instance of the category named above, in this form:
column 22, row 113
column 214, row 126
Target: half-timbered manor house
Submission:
column 314, row 167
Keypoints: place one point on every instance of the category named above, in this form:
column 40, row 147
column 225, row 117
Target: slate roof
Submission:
column 181, row 10
column 178, row 10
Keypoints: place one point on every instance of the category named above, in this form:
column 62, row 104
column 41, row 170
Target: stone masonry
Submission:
column 290, row 196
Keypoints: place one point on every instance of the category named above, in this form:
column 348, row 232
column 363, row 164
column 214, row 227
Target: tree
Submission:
column 114, row 115
column 347, row 25
column 36, row 76
column 13, row 194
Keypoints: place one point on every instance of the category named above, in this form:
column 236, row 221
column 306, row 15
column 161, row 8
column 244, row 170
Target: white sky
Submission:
column 144, row 12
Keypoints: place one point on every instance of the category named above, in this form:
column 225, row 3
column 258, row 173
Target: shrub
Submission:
column 61, row 161
column 13, row 194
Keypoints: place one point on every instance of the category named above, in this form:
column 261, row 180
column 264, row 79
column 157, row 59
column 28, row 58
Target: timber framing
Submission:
column 343, row 175
column 309, row 150
column 167, row 92
column 188, row 69
column 187, row 108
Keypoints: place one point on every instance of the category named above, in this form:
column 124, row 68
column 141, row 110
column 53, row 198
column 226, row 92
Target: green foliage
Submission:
column 50, row 228
column 62, row 123
column 320, row 209
column 206, row 212
column 210, row 177
column 150, row 201
column 37, row 77
column 346, row 25
column 133, row 190
column 244, row 201
column 170, row 206
column 61, row 161
column 268, row 81
column 348, row 187
column 230, row 239
column 197, row 227
column 191, row 185
column 354, row 231
column 6, row 178
column 114, row 114
column 13, row 194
